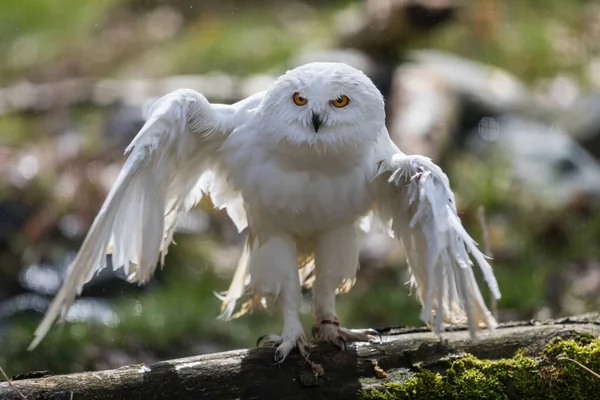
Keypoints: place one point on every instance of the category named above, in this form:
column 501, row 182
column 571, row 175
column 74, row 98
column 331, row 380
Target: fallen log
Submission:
column 252, row 374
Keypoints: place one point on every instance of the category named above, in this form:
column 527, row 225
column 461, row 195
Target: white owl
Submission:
column 302, row 168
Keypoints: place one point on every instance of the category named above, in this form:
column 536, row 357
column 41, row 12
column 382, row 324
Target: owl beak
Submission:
column 316, row 120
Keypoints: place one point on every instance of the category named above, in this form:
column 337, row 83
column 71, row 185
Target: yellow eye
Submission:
column 341, row 101
column 299, row 100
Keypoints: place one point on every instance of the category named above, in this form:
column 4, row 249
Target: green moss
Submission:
column 423, row 385
column 565, row 377
column 548, row 376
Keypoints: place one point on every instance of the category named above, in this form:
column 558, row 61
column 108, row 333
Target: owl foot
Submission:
column 330, row 331
column 285, row 345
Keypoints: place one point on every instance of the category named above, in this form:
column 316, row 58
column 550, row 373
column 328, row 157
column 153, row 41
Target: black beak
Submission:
column 316, row 120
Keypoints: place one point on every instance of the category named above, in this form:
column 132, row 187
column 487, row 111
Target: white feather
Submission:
column 291, row 183
column 422, row 208
column 155, row 186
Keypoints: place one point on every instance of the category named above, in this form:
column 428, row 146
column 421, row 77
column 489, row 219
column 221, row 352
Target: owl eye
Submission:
column 299, row 100
column 340, row 102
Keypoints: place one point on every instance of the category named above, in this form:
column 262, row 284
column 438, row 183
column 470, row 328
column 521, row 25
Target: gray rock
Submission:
column 544, row 158
column 582, row 120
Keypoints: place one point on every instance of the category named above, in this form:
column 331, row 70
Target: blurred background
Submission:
column 503, row 94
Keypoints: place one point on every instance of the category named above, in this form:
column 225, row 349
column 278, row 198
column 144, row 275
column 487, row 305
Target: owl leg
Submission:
column 274, row 271
column 336, row 260
column 292, row 335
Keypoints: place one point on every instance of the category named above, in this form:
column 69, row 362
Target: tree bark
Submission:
column 252, row 374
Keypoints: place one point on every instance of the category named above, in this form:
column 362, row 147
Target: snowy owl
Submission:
column 301, row 168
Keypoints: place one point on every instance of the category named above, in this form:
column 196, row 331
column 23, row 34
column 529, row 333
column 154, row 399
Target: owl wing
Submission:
column 416, row 201
column 165, row 174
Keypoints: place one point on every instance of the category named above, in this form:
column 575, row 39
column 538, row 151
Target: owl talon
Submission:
column 270, row 340
column 369, row 334
column 260, row 339
column 372, row 332
column 342, row 343
column 306, row 353
column 279, row 356
column 284, row 346
column 361, row 335
column 330, row 331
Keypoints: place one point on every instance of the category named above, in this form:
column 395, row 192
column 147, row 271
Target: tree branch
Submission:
column 252, row 374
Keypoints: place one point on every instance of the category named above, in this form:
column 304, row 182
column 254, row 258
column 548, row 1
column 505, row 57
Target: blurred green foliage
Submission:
column 40, row 31
column 530, row 39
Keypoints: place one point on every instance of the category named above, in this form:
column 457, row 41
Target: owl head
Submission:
column 323, row 107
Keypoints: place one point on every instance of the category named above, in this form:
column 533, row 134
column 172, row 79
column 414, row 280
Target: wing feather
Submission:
column 158, row 183
column 415, row 196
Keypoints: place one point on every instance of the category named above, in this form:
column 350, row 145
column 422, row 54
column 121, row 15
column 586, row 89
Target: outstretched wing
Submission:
column 416, row 199
column 161, row 179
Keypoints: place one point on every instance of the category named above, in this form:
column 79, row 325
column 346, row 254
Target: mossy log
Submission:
column 356, row 372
